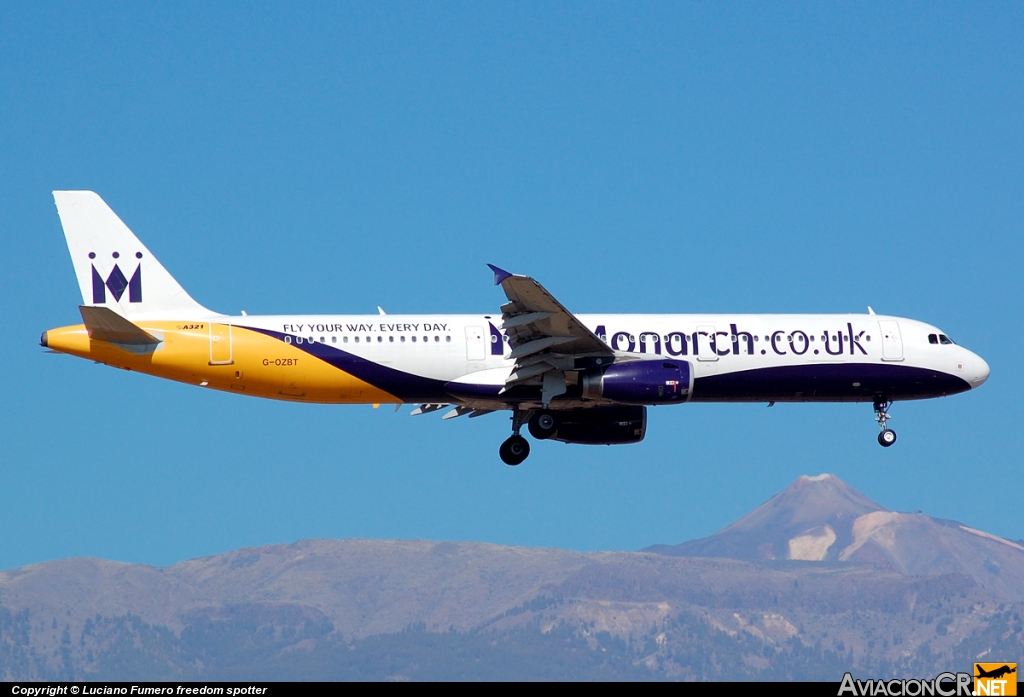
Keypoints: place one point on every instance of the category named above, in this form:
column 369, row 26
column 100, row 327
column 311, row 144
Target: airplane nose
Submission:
column 979, row 371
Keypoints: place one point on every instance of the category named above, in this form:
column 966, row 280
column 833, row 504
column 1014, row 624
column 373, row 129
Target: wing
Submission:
column 546, row 339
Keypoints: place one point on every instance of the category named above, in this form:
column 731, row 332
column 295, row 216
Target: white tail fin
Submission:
column 114, row 269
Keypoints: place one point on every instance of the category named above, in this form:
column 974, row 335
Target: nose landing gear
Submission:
column 516, row 449
column 887, row 437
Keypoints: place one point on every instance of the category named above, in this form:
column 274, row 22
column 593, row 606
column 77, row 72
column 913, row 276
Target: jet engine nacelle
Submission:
column 601, row 425
column 639, row 382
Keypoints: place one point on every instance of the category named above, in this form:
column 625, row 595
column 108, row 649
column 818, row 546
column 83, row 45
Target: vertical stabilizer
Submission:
column 114, row 269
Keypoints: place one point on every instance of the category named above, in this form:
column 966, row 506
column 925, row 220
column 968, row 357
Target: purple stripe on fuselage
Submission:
column 817, row 382
column 826, row 382
column 405, row 386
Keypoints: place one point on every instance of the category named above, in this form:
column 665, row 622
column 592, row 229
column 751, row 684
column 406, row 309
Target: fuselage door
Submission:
column 220, row 344
column 476, row 349
column 705, row 343
column 892, row 342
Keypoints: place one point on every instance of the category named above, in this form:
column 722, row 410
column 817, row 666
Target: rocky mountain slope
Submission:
column 893, row 593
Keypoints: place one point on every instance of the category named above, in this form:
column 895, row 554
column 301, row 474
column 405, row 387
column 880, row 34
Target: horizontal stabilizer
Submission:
column 106, row 325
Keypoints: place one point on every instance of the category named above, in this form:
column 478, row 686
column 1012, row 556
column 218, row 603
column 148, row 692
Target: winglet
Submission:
column 499, row 274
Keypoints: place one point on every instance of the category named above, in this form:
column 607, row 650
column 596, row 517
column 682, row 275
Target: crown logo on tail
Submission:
column 116, row 283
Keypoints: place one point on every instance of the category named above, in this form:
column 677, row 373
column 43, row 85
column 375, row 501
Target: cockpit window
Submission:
column 933, row 339
column 943, row 339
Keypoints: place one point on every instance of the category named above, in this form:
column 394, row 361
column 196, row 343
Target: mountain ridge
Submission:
column 889, row 592
column 822, row 518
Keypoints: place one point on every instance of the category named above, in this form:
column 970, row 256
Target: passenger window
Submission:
column 414, row 340
column 357, row 339
column 437, row 339
column 380, row 339
column 334, row 339
column 403, row 339
column 943, row 339
column 287, row 340
column 448, row 339
column 344, row 339
column 391, row 339
column 322, row 340
column 932, row 339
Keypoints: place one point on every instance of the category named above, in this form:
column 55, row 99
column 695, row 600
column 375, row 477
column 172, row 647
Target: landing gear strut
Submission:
column 516, row 449
column 887, row 437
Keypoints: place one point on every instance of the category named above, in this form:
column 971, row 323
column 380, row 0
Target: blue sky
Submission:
column 659, row 157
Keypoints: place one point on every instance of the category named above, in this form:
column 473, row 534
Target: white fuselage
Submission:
column 733, row 357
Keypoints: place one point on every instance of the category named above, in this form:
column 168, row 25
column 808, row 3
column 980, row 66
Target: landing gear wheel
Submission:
column 542, row 425
column 886, row 438
column 514, row 450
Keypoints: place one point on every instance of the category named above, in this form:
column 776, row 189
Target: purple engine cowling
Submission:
column 639, row 382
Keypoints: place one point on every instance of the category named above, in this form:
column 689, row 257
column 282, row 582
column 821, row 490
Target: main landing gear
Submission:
column 887, row 437
column 516, row 449
column 542, row 425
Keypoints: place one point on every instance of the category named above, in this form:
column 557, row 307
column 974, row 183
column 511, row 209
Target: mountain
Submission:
column 889, row 594
column 823, row 519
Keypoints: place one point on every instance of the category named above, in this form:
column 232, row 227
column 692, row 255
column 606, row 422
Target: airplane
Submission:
column 572, row 378
column 995, row 673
